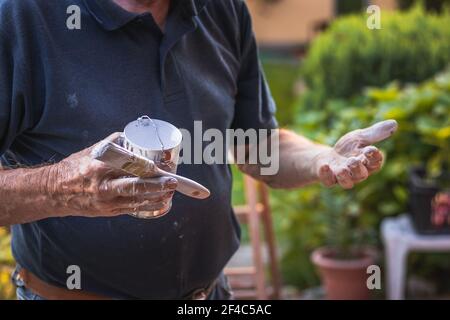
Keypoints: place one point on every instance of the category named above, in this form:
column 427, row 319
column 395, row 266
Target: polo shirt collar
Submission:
column 111, row 16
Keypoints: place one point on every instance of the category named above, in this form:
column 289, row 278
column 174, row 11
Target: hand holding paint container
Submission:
column 150, row 149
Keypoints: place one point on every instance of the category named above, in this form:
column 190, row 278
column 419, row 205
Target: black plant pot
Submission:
column 424, row 199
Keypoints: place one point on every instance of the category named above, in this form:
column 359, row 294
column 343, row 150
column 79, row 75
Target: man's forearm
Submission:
column 352, row 159
column 298, row 157
column 24, row 195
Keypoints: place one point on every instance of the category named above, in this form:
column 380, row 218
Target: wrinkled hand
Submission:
column 353, row 158
column 84, row 186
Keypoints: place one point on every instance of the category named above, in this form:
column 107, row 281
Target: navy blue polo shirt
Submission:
column 62, row 90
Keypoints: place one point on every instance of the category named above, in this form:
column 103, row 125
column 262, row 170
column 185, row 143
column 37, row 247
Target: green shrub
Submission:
column 430, row 5
column 423, row 114
column 281, row 76
column 410, row 47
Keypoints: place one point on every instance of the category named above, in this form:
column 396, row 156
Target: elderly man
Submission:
column 68, row 81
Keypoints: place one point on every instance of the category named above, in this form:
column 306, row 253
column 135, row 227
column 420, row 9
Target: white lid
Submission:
column 152, row 134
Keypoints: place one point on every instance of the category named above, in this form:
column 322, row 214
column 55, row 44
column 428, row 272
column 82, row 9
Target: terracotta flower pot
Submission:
column 344, row 279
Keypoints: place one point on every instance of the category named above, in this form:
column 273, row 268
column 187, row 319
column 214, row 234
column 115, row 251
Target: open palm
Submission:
column 353, row 158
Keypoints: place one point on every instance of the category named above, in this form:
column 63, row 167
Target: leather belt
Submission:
column 51, row 292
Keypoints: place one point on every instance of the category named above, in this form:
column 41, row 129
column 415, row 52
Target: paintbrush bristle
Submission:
column 111, row 152
column 120, row 158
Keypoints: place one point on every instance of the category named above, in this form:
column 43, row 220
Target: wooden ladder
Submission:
column 249, row 282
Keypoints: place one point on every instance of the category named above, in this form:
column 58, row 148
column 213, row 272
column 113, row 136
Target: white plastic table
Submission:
column 399, row 238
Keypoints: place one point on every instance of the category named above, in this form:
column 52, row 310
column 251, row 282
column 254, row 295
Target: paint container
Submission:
column 156, row 140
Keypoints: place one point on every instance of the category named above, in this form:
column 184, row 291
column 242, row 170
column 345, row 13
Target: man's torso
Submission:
column 83, row 85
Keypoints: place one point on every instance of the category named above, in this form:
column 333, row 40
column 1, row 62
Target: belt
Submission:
column 51, row 292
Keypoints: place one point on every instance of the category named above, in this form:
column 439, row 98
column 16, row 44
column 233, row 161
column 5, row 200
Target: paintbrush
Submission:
column 120, row 158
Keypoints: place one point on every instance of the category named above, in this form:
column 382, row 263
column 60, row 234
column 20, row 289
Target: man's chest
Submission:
column 96, row 87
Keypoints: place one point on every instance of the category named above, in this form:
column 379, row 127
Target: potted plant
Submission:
column 343, row 262
column 429, row 202
column 429, row 186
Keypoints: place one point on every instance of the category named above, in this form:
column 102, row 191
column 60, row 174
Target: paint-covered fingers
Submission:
column 378, row 132
column 353, row 142
column 114, row 137
column 83, row 158
column 137, row 186
column 154, row 202
column 347, row 172
column 326, row 176
column 141, row 200
column 373, row 158
column 343, row 171
column 138, row 194
column 350, row 172
column 146, row 208
column 357, row 169
column 129, row 203
column 344, row 178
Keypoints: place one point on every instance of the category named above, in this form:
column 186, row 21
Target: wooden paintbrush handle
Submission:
column 187, row 186
column 120, row 158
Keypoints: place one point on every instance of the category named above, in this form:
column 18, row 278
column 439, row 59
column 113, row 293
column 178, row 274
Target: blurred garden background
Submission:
column 329, row 74
column 335, row 75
